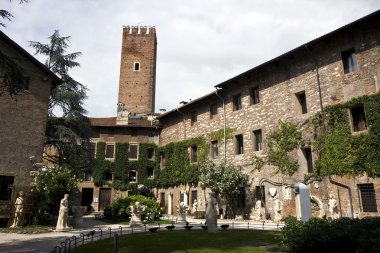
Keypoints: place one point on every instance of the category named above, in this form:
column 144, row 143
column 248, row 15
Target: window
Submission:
column 108, row 176
column 6, row 187
column 213, row 110
column 132, row 176
column 255, row 96
column 162, row 161
column 214, row 149
column 239, row 144
column 110, row 150
column 150, row 172
column 260, row 194
column 111, row 132
column 95, row 133
column 162, row 200
column 349, row 61
column 136, row 66
column 194, row 154
column 88, row 176
column 358, row 119
column 150, row 153
column 193, row 117
column 92, row 149
column 309, row 159
column 257, row 140
column 367, row 197
column 194, row 197
column 301, row 103
column 24, row 83
column 237, row 102
column 134, row 132
column 133, row 151
column 241, row 197
column 151, row 134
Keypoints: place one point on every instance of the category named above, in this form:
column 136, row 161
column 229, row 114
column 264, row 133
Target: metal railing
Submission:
column 95, row 235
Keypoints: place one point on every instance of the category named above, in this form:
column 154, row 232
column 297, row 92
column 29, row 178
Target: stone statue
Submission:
column 63, row 213
column 19, row 211
column 136, row 211
column 277, row 207
column 333, row 207
column 258, row 215
column 181, row 212
column 195, row 206
column 211, row 213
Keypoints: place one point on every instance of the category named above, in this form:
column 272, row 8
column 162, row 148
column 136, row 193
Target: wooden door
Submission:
column 104, row 198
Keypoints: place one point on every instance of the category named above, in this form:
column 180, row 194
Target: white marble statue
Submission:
column 19, row 211
column 211, row 218
column 63, row 214
column 277, row 208
column 136, row 211
column 195, row 207
column 181, row 212
column 333, row 207
column 258, row 214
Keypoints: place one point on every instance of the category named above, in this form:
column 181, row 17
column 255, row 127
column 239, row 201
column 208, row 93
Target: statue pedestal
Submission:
column 62, row 229
column 135, row 221
column 181, row 218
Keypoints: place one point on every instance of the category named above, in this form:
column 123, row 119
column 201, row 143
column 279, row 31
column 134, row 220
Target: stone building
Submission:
column 23, row 123
column 339, row 68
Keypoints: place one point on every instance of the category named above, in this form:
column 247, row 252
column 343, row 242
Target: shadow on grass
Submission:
column 194, row 241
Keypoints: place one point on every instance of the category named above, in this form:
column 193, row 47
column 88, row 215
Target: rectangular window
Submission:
column 194, row 196
column 108, row 176
column 92, row 149
column 358, row 119
column 88, row 176
column 111, row 132
column 162, row 200
column 194, row 154
column 255, row 96
column 150, row 172
column 213, row 110
column 260, row 194
column 239, row 148
column 241, row 197
column 257, row 140
column 367, row 197
column 133, row 151
column 110, row 150
column 214, row 149
column 132, row 176
column 134, row 132
column 237, row 102
column 6, row 187
column 301, row 103
column 95, row 133
column 193, row 118
column 349, row 61
column 150, row 153
column 309, row 159
column 151, row 134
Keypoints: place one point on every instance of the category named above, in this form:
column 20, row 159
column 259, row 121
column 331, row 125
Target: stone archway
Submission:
column 317, row 207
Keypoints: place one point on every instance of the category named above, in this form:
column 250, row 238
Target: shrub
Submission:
column 121, row 210
column 341, row 235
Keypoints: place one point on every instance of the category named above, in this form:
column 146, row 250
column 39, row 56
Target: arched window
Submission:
column 136, row 66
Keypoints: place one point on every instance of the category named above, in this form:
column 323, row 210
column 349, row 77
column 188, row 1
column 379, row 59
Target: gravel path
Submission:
column 45, row 242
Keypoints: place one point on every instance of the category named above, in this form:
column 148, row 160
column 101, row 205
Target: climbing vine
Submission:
column 219, row 134
column 344, row 152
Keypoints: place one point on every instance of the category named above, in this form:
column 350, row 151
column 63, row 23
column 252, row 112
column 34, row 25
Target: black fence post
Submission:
column 115, row 243
column 232, row 225
column 75, row 241
column 110, row 231
column 248, row 225
column 82, row 235
column 101, row 233
column 68, row 242
column 63, row 244
column 121, row 230
column 263, row 224
column 55, row 249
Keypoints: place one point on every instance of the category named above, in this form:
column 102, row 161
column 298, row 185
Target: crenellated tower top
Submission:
column 143, row 30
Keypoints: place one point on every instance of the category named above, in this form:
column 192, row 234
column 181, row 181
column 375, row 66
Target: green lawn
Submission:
column 194, row 241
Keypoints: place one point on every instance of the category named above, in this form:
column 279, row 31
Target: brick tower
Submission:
column 137, row 83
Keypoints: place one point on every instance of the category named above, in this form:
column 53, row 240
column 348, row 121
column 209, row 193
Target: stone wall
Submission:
column 315, row 69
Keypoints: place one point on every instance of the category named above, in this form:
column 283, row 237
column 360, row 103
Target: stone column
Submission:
column 170, row 203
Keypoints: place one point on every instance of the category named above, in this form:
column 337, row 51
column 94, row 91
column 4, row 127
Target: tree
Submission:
column 12, row 76
column 4, row 14
column 67, row 124
column 225, row 180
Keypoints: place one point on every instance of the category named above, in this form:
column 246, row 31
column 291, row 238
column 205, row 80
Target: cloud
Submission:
column 200, row 43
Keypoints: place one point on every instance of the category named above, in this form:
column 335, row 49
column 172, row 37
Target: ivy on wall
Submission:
column 219, row 135
column 340, row 150
column 121, row 166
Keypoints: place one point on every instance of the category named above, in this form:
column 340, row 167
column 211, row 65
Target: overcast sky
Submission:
column 200, row 42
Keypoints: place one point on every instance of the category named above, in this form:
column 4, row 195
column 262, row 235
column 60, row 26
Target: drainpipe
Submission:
column 184, row 123
column 332, row 181
column 224, row 125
